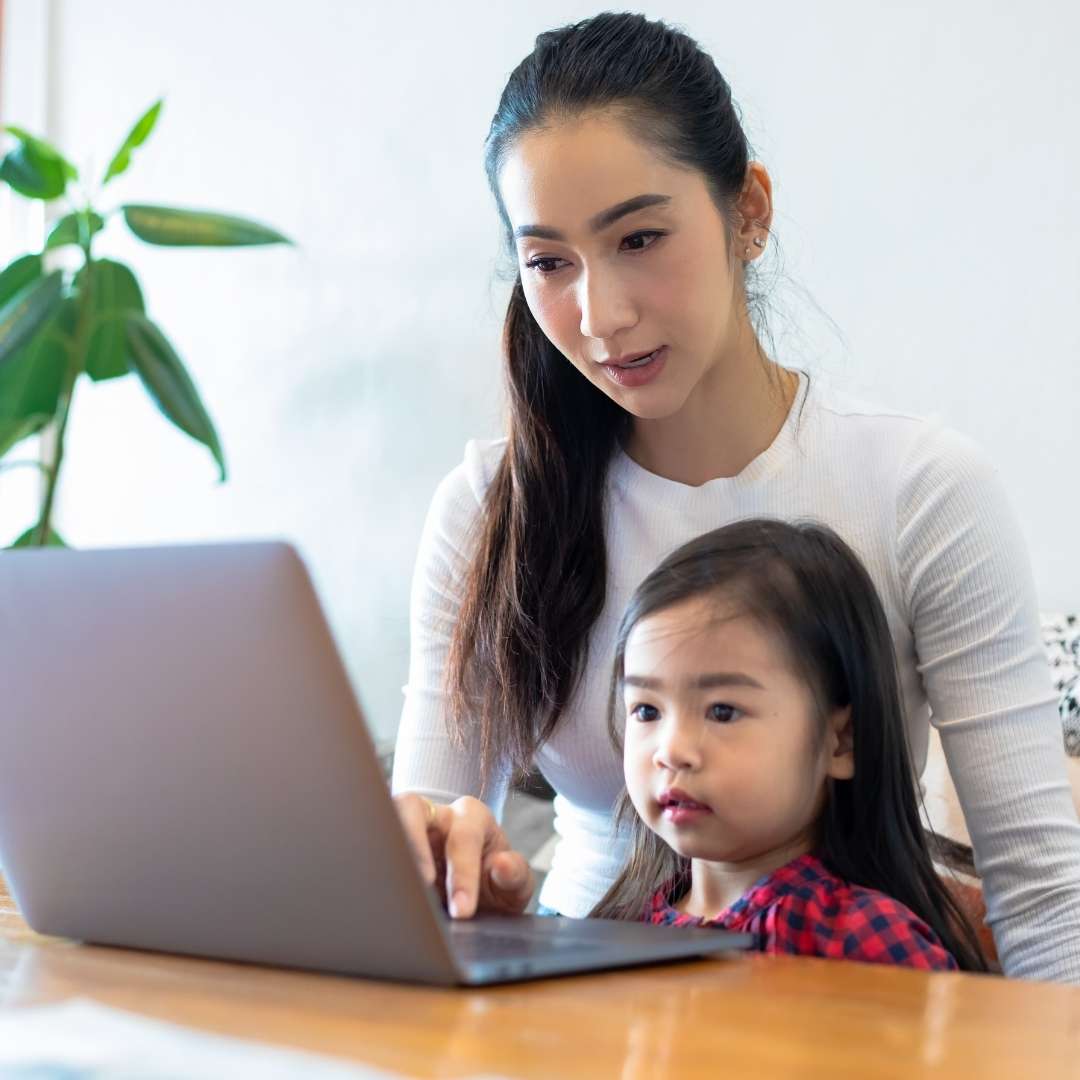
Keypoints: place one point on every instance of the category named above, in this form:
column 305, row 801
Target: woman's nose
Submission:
column 606, row 310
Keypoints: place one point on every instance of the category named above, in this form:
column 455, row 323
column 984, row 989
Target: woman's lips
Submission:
column 638, row 372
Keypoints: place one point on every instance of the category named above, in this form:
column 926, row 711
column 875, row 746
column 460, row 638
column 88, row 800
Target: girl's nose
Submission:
column 605, row 308
column 678, row 746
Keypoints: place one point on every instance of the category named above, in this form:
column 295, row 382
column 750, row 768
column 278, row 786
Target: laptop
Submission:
column 185, row 768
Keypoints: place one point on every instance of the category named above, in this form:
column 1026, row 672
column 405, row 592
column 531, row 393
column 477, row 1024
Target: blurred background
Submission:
column 927, row 225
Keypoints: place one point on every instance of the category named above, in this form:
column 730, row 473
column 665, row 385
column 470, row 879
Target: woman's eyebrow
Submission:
column 598, row 222
column 703, row 682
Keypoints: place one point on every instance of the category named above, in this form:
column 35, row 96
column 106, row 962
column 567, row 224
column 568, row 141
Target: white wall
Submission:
column 925, row 182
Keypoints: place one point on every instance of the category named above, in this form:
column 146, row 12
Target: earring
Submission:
column 760, row 243
column 746, row 252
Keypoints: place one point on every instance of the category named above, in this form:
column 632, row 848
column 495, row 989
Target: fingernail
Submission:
column 457, row 902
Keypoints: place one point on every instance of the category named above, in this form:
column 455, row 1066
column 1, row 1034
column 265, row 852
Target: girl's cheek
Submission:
column 637, row 787
column 637, row 759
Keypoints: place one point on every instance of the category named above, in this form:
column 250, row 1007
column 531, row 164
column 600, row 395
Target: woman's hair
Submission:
column 803, row 585
column 537, row 580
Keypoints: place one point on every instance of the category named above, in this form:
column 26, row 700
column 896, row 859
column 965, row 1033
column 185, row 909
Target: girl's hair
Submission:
column 537, row 580
column 803, row 584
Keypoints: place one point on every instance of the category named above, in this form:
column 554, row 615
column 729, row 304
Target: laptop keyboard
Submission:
column 493, row 945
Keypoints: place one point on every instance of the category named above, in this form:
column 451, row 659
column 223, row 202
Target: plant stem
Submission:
column 76, row 362
column 26, row 463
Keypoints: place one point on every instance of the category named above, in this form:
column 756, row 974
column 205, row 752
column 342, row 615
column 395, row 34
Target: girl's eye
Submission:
column 640, row 241
column 644, row 713
column 724, row 714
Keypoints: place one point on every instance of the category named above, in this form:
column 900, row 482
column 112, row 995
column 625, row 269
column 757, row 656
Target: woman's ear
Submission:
column 755, row 208
column 840, row 745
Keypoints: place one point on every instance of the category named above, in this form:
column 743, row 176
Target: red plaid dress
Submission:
column 802, row 908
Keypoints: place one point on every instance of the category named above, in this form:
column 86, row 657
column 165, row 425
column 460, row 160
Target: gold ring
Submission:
column 429, row 807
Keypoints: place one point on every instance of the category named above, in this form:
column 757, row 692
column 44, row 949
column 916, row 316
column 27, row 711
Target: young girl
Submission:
column 645, row 410
column 765, row 755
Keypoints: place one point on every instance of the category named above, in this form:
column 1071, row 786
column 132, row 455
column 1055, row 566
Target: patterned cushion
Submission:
column 1061, row 636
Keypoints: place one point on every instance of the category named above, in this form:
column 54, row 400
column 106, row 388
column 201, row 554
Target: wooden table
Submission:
column 746, row 1016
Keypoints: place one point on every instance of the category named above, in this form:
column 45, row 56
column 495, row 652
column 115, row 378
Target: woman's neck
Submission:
column 715, row 886
column 732, row 416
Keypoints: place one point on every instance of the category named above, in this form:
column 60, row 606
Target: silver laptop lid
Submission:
column 183, row 765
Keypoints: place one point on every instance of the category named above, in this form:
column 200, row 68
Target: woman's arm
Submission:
column 449, row 814
column 963, row 564
column 426, row 759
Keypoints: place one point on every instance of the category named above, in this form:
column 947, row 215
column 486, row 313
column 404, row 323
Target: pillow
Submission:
column 1061, row 638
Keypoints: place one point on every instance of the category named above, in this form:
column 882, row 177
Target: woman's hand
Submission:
column 461, row 850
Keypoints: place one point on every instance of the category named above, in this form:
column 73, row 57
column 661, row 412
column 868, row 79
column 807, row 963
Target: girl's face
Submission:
column 725, row 757
column 623, row 255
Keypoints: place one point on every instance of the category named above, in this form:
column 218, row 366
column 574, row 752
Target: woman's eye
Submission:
column 645, row 713
column 722, row 713
column 651, row 235
column 543, row 266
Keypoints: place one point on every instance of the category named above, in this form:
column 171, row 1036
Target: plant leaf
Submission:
column 114, row 292
column 27, row 310
column 35, row 168
column 66, row 230
column 173, row 227
column 44, row 147
column 26, row 539
column 107, row 353
column 17, row 275
column 31, row 380
column 12, row 432
column 136, row 137
column 169, row 384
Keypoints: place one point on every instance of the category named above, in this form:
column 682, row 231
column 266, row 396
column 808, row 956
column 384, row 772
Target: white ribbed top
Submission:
column 929, row 518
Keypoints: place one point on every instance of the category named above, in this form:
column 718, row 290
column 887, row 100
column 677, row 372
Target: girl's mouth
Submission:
column 679, row 809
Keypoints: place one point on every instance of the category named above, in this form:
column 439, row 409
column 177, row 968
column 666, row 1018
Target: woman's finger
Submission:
column 508, row 883
column 469, row 823
column 419, row 816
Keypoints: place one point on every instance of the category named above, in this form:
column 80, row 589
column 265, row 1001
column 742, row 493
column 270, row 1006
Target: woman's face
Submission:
column 622, row 255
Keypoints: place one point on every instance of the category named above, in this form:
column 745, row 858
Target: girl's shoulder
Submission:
column 804, row 908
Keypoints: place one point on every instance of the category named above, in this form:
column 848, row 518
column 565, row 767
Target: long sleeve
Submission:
column 426, row 760
column 964, row 567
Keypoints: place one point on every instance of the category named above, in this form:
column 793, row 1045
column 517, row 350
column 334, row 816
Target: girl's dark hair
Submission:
column 537, row 580
column 804, row 585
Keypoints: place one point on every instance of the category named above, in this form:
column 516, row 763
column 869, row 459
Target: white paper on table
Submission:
column 79, row 1039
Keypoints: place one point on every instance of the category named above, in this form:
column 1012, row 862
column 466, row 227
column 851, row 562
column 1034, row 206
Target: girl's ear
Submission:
column 841, row 745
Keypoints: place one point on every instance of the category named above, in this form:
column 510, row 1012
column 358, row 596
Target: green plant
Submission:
column 56, row 325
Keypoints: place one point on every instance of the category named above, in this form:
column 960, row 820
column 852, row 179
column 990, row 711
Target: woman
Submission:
column 644, row 412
